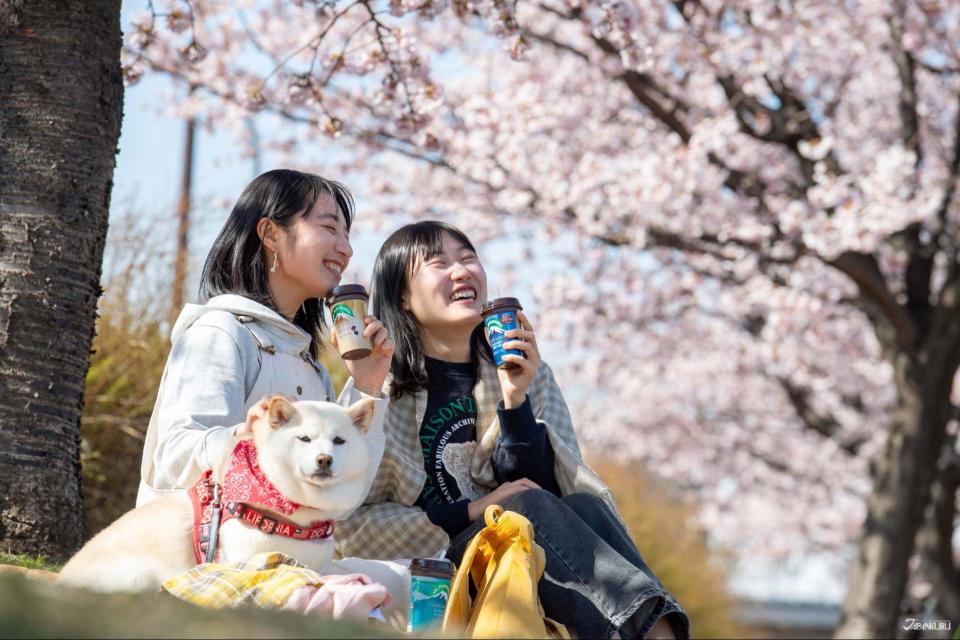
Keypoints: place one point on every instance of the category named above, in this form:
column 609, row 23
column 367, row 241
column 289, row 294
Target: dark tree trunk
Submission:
column 903, row 473
column 61, row 102
column 934, row 542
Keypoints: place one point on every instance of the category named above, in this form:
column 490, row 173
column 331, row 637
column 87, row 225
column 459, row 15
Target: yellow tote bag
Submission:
column 505, row 565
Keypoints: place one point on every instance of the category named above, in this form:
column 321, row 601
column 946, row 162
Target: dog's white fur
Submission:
column 154, row 542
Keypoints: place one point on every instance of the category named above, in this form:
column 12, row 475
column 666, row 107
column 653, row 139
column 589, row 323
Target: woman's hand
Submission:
column 370, row 372
column 257, row 411
column 514, row 382
column 476, row 508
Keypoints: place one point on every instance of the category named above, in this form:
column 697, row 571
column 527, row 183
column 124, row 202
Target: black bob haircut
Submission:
column 403, row 251
column 237, row 262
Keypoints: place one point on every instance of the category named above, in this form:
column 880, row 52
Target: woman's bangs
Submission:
column 427, row 241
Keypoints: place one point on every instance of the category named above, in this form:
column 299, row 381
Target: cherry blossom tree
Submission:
column 749, row 206
column 61, row 102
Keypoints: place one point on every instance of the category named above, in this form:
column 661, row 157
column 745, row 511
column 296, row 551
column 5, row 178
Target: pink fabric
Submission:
column 352, row 596
column 244, row 482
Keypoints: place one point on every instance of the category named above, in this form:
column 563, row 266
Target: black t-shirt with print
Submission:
column 448, row 436
column 448, row 433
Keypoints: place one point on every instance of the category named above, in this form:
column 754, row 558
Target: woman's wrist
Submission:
column 475, row 510
column 369, row 389
column 370, row 383
column 514, row 399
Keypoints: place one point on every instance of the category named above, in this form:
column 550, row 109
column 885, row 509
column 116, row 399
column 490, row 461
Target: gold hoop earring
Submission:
column 276, row 258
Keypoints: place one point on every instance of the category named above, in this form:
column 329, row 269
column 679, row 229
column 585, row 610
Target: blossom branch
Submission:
column 827, row 426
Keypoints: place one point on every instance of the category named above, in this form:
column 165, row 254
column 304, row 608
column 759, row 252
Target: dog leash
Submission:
column 207, row 506
column 216, row 510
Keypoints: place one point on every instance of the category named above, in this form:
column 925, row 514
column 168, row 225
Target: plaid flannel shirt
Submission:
column 266, row 580
column 388, row 526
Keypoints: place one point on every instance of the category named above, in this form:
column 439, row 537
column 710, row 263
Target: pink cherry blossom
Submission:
column 686, row 178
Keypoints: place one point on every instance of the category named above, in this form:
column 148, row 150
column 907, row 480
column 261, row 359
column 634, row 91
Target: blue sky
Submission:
column 149, row 166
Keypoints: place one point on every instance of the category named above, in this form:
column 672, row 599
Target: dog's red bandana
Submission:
column 244, row 483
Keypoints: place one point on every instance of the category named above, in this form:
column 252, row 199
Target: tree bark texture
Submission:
column 903, row 473
column 61, row 103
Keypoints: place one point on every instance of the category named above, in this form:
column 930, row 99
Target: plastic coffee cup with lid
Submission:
column 429, row 591
column 499, row 316
column 348, row 308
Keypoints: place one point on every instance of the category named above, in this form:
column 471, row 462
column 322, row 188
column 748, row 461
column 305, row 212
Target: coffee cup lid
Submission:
column 432, row 564
column 500, row 303
column 352, row 290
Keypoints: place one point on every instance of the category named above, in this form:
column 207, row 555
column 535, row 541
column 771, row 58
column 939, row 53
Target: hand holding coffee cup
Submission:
column 499, row 317
column 514, row 346
column 361, row 340
column 348, row 309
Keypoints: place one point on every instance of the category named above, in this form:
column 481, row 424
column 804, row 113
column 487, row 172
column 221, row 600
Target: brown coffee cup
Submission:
column 348, row 308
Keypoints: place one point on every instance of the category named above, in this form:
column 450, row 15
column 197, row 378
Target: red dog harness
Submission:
column 243, row 483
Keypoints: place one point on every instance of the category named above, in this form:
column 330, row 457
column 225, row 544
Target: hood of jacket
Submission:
column 286, row 335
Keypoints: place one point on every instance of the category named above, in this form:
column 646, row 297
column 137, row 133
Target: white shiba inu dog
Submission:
column 291, row 472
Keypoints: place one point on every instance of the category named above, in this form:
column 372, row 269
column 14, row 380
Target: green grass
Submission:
column 40, row 609
column 29, row 562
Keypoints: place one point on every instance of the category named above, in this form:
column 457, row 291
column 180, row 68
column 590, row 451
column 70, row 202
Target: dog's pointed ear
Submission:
column 361, row 413
column 280, row 411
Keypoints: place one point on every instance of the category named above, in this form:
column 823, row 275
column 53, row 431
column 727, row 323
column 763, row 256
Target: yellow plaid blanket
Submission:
column 266, row 580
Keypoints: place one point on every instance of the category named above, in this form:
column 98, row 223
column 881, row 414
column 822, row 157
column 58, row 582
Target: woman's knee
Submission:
column 592, row 509
column 532, row 501
column 581, row 502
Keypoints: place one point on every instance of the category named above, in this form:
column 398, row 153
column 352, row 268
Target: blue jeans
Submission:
column 595, row 581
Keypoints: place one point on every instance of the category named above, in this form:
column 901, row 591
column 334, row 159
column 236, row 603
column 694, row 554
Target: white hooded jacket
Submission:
column 227, row 354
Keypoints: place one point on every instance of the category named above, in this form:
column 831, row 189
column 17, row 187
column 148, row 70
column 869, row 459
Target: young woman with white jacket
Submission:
column 258, row 329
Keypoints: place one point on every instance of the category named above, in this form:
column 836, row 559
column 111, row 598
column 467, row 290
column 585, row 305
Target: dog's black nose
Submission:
column 324, row 461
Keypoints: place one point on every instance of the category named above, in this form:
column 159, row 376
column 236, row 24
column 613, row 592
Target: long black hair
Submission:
column 399, row 256
column 236, row 262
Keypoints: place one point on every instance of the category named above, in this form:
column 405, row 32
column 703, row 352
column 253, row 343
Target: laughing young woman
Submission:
column 462, row 435
column 258, row 330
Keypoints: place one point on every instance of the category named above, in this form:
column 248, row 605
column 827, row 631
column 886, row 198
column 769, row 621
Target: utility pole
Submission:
column 183, row 223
